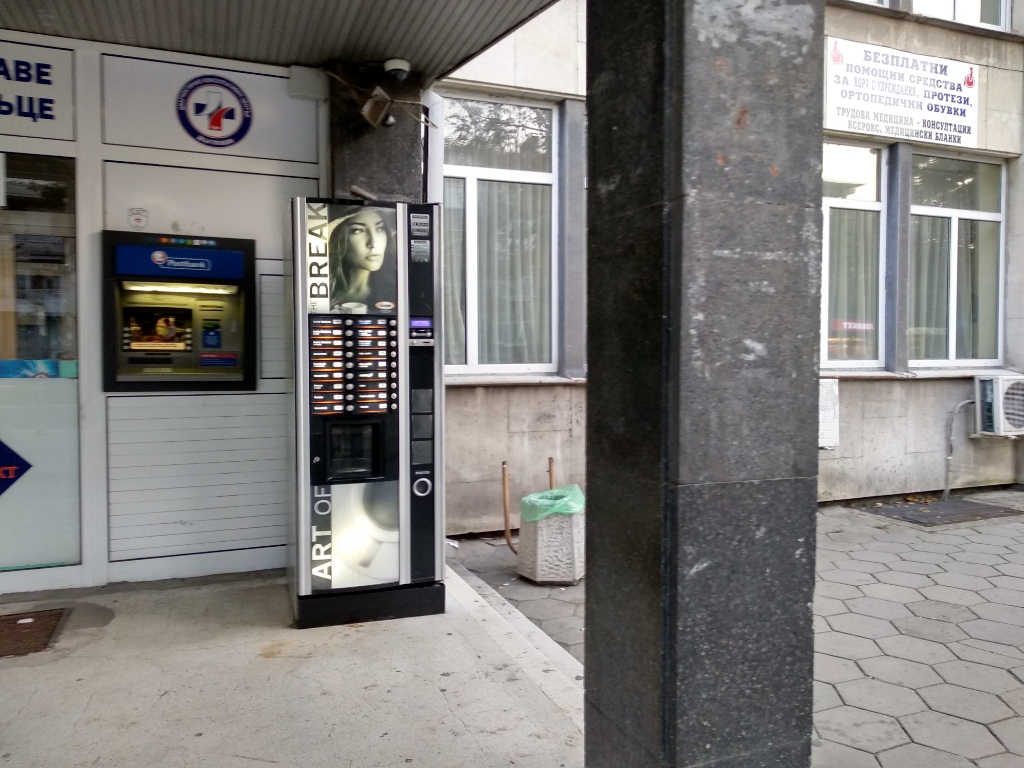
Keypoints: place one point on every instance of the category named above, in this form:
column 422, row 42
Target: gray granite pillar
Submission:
column 704, row 237
column 387, row 161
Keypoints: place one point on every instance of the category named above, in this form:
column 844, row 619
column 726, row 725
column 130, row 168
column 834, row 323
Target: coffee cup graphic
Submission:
column 353, row 308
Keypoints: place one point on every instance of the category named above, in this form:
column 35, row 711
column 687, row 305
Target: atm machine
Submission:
column 369, row 398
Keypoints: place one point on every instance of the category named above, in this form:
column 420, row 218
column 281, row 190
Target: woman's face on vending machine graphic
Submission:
column 367, row 240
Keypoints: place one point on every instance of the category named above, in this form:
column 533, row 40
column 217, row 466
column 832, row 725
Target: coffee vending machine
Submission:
column 369, row 399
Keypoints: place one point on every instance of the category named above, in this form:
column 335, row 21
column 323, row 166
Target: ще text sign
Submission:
column 902, row 96
column 36, row 91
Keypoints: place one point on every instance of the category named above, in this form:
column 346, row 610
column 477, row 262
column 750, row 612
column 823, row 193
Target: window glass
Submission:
column 514, row 272
column 946, row 183
column 39, row 510
column 454, row 271
column 929, row 288
column 853, row 284
column 977, row 289
column 491, row 135
column 850, row 173
column 965, row 11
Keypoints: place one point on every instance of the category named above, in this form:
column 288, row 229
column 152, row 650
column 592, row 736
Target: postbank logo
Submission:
column 214, row 111
column 159, row 258
column 162, row 260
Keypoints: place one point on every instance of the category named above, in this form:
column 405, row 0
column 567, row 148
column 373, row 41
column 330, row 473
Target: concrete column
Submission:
column 704, row 238
column 897, row 257
column 386, row 161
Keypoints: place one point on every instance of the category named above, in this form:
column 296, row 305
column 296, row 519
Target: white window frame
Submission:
column 860, row 205
column 1004, row 17
column 471, row 175
column 954, row 215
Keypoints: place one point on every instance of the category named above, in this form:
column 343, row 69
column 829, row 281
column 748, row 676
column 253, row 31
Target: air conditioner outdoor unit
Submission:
column 999, row 405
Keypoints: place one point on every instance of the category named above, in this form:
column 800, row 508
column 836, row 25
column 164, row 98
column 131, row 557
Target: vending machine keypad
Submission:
column 353, row 364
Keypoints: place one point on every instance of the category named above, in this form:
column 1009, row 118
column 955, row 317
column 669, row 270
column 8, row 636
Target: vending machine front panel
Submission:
column 366, row 382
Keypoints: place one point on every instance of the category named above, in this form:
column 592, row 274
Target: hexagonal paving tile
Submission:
column 832, row 669
column 909, row 674
column 971, row 569
column 960, row 581
column 967, row 674
column 966, row 703
column 887, row 546
column 950, row 734
column 862, row 626
column 876, row 556
column 825, row 697
column 917, row 756
column 925, row 557
column 952, row 595
column 995, row 631
column 853, row 578
column 978, row 656
column 1014, row 699
column 892, row 592
column 828, row 754
column 845, row 646
column 930, row 629
column 884, row 698
column 1007, row 614
column 836, row 590
column 1004, row 760
column 911, row 567
column 553, row 627
column 1008, row 582
column 1011, row 733
column 915, row 649
column 827, row 606
column 1003, row 596
column 933, row 609
column 860, row 729
column 904, row 579
column 880, row 609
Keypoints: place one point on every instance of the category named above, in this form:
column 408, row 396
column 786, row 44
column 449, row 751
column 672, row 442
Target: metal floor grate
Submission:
column 942, row 512
column 24, row 633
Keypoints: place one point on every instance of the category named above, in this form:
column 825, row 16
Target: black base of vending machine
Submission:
column 402, row 602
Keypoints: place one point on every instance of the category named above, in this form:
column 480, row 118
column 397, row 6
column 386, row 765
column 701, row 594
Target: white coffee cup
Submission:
column 353, row 308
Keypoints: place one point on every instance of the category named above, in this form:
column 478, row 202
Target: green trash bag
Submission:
column 567, row 500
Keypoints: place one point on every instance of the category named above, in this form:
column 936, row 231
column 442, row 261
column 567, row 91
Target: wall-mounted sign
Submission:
column 214, row 111
column 12, row 467
column 166, row 105
column 901, row 96
column 36, row 91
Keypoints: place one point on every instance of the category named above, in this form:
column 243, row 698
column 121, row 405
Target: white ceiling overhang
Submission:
column 435, row 36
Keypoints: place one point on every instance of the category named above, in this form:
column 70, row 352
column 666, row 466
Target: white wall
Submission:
column 548, row 53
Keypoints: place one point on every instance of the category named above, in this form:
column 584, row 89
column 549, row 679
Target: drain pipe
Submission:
column 949, row 453
column 504, row 488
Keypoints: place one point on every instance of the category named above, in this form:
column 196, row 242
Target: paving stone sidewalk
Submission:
column 919, row 639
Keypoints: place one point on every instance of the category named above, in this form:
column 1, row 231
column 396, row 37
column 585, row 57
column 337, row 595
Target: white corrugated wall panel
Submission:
column 274, row 363
column 196, row 473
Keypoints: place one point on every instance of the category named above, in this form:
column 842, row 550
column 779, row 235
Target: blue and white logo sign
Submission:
column 214, row 111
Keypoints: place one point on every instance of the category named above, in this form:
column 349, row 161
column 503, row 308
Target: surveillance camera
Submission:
column 397, row 69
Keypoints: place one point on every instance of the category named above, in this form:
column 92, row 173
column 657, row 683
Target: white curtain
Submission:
column 929, row 288
column 977, row 290
column 514, row 272
column 853, row 284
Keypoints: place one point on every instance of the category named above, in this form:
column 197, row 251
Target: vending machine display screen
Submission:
column 179, row 313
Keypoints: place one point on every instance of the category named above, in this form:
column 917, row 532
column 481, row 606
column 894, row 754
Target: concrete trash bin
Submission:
column 551, row 536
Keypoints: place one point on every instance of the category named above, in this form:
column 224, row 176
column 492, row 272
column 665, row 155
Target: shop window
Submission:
column 955, row 234
column 852, row 268
column 498, row 241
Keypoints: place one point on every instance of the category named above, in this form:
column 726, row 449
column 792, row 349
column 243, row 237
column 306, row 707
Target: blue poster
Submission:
column 29, row 369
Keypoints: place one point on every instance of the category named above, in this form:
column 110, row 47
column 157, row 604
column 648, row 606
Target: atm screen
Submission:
column 157, row 329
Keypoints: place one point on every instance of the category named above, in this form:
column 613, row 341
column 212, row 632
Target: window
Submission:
column 979, row 12
column 852, row 268
column 951, row 261
column 499, row 162
column 955, row 234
